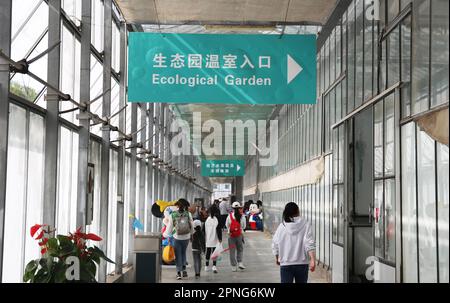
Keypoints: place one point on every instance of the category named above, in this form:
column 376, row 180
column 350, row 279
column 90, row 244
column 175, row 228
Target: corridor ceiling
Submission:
column 313, row 12
column 227, row 17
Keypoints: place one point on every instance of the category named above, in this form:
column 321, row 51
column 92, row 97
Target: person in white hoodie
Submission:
column 294, row 246
column 213, row 233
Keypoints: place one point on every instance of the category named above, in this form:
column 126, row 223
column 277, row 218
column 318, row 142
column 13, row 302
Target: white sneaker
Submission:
column 214, row 269
column 241, row 266
column 206, row 268
column 234, row 268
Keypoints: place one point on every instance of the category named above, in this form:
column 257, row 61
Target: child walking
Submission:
column 213, row 232
column 198, row 247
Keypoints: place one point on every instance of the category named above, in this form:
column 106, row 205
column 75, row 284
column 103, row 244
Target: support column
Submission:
column 143, row 138
column 121, row 217
column 106, row 136
column 51, row 119
column 132, row 182
column 83, row 135
column 5, row 45
column 150, row 217
column 162, row 155
column 156, row 152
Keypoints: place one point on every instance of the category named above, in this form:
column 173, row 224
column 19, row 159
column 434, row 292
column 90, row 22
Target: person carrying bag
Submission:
column 235, row 224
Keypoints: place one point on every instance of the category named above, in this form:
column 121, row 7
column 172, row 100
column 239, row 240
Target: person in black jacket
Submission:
column 198, row 247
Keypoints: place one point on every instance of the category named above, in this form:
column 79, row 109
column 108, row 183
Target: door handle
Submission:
column 370, row 214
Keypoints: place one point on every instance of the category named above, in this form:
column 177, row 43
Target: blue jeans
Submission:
column 180, row 247
column 299, row 273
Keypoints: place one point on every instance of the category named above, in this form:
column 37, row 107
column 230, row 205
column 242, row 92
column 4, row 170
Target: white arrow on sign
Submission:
column 293, row 69
column 238, row 168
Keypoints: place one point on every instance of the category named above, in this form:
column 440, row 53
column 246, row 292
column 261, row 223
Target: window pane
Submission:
column 389, row 208
column 378, row 219
column 421, row 55
column 15, row 196
column 389, row 136
column 112, row 209
column 393, row 56
column 35, row 184
column 409, row 215
column 439, row 53
column 406, row 67
column 427, row 208
column 443, row 211
column 378, row 139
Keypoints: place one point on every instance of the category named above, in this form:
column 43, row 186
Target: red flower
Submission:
column 92, row 237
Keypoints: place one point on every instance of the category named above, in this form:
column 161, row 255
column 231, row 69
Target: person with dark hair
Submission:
column 213, row 235
column 235, row 224
column 181, row 226
column 294, row 246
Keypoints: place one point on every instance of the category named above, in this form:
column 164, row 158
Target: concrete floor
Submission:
column 258, row 259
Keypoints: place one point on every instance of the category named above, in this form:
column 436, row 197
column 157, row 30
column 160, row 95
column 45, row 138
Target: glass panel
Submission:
column 341, row 214
column 421, row 55
column 406, row 67
column 67, row 182
column 359, row 53
column 389, row 208
column 97, row 27
column 378, row 139
column 409, row 203
column 443, row 211
column 351, row 59
column 73, row 10
column 35, row 183
column 368, row 53
column 393, row 56
column 70, row 71
column 378, row 219
column 15, row 196
column 427, row 208
column 439, row 53
column 112, row 209
column 389, row 136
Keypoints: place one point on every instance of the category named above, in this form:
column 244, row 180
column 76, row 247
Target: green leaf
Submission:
column 60, row 272
column 53, row 247
column 30, row 270
column 102, row 255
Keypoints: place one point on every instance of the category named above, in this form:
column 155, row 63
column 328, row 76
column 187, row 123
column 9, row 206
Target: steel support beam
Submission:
column 83, row 134
column 121, row 153
column 51, row 119
column 156, row 151
column 162, row 179
column 149, row 146
column 143, row 135
column 133, row 160
column 5, row 45
column 106, row 136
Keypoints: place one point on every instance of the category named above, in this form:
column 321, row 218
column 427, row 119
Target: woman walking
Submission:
column 181, row 226
column 235, row 224
column 294, row 246
column 213, row 235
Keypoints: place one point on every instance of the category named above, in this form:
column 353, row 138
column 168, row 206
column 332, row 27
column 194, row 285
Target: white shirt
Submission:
column 223, row 207
column 211, row 231
column 293, row 241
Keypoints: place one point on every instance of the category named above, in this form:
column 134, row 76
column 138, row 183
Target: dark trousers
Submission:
column 197, row 256
column 180, row 247
column 209, row 251
column 223, row 220
column 299, row 273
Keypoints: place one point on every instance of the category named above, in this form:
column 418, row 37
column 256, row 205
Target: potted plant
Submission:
column 63, row 258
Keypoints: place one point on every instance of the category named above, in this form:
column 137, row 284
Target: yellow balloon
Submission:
column 163, row 204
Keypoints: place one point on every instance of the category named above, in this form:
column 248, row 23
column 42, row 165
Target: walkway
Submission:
column 258, row 259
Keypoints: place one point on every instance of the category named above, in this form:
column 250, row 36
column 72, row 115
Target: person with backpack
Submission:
column 294, row 246
column 181, row 226
column 198, row 247
column 235, row 224
column 213, row 234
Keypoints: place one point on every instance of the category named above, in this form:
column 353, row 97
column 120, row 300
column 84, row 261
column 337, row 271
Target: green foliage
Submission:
column 54, row 264
column 23, row 91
